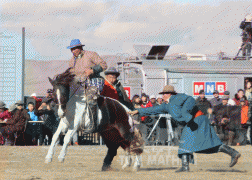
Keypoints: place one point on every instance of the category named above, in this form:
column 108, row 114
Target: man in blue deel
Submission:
column 197, row 136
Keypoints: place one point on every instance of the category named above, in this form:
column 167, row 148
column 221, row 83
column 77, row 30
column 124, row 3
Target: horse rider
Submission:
column 246, row 26
column 86, row 66
column 197, row 136
column 114, row 89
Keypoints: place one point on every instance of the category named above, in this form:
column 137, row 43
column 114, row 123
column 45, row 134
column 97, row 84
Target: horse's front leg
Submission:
column 61, row 128
column 128, row 160
column 67, row 139
column 137, row 163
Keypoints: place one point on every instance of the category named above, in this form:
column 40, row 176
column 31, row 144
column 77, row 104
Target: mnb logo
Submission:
column 209, row 87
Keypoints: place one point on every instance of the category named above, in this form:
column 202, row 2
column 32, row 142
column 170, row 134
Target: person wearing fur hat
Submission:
column 197, row 135
column 113, row 88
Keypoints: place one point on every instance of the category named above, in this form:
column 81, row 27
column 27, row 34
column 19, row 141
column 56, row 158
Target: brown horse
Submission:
column 113, row 122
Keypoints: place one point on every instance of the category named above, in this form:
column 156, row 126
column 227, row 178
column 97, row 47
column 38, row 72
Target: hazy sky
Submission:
column 111, row 27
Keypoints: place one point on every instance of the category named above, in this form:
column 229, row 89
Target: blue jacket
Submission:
column 33, row 117
column 197, row 134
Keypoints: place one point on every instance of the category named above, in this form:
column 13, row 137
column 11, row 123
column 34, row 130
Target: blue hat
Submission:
column 75, row 43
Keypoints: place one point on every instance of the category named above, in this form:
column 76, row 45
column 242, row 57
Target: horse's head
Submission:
column 61, row 90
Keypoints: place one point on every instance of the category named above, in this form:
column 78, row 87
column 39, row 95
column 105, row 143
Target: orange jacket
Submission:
column 244, row 114
column 109, row 91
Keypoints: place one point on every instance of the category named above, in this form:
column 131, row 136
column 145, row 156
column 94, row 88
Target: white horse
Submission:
column 112, row 117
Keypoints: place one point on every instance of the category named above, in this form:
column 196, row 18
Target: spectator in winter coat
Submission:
column 202, row 102
column 4, row 113
column 136, row 101
column 34, row 130
column 244, row 119
column 238, row 96
column 230, row 102
column 16, row 123
column 216, row 100
column 50, row 121
column 248, row 91
column 159, row 99
column 152, row 101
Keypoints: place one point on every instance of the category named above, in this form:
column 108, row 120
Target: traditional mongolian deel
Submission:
column 197, row 134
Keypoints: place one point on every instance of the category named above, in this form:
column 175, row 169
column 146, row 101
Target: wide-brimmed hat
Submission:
column 75, row 43
column 168, row 89
column 112, row 70
column 2, row 104
column 19, row 103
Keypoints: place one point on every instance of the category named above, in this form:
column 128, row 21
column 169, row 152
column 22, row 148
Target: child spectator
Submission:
column 34, row 130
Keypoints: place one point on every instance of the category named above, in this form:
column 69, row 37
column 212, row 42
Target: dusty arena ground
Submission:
column 84, row 162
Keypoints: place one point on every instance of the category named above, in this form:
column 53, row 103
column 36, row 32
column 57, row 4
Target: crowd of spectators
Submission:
column 28, row 124
column 230, row 117
column 33, row 122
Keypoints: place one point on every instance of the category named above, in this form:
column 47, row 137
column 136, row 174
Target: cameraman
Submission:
column 47, row 113
column 246, row 26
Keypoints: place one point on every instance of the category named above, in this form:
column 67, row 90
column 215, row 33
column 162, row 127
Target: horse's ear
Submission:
column 50, row 80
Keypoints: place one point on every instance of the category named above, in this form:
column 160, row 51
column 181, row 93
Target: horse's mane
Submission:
column 65, row 78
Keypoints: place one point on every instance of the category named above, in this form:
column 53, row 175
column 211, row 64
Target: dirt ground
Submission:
column 85, row 162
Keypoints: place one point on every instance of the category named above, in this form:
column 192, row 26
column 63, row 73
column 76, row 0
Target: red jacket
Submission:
column 145, row 106
column 5, row 115
column 109, row 91
column 38, row 101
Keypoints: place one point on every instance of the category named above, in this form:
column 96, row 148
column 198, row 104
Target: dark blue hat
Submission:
column 216, row 92
column 112, row 70
column 226, row 93
column 49, row 91
column 75, row 43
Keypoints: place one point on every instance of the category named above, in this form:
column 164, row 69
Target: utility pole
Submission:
column 23, row 62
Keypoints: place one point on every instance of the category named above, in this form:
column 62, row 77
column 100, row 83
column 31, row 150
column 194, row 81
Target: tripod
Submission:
column 169, row 127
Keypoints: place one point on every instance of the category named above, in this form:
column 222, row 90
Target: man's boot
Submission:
column 232, row 152
column 185, row 164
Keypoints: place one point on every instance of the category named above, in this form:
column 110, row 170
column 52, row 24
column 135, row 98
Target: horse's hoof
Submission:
column 127, row 164
column 61, row 160
column 136, row 168
column 48, row 160
column 107, row 168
